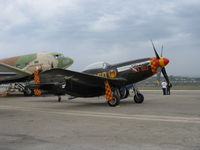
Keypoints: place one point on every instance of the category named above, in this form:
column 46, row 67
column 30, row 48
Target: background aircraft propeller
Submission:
column 163, row 70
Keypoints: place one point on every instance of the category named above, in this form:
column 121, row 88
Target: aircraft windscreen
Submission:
column 97, row 65
column 58, row 55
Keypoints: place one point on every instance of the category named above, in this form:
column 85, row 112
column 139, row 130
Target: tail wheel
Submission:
column 138, row 98
column 115, row 101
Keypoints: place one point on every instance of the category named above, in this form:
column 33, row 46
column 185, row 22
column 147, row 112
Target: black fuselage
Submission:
column 82, row 84
column 133, row 71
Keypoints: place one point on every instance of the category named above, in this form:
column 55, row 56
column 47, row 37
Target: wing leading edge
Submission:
column 79, row 77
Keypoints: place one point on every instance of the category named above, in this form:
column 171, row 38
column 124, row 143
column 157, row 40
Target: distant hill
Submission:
column 175, row 80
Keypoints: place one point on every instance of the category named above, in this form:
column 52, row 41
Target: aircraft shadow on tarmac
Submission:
column 81, row 103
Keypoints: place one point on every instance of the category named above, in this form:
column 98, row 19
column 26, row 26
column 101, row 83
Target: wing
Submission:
column 61, row 75
column 11, row 74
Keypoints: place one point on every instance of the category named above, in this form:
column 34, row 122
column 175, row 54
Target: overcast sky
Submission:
column 104, row 30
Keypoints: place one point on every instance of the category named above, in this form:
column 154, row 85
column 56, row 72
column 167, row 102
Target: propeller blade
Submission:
column 158, row 77
column 159, row 74
column 157, row 56
column 166, row 76
column 161, row 51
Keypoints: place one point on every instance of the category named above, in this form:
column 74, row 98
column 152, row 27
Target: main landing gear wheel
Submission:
column 138, row 98
column 114, row 102
column 116, row 99
column 124, row 93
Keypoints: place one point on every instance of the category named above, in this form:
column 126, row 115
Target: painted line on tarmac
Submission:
column 107, row 115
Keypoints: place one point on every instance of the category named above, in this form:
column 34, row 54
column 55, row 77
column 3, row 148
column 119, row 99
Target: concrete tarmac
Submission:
column 160, row 123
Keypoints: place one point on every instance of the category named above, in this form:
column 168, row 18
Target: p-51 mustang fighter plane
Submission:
column 20, row 68
column 113, row 81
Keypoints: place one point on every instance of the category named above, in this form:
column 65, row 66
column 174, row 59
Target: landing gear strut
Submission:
column 138, row 98
column 28, row 92
column 25, row 89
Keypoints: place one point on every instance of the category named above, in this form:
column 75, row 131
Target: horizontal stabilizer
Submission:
column 11, row 74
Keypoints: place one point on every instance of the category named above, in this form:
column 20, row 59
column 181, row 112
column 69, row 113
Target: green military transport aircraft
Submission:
column 20, row 68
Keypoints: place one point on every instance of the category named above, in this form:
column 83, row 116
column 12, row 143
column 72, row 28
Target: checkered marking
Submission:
column 37, row 81
column 154, row 64
column 108, row 91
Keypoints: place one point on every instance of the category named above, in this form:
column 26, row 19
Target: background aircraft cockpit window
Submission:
column 97, row 65
column 58, row 56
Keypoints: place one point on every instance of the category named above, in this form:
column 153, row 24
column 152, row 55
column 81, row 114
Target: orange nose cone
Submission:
column 166, row 61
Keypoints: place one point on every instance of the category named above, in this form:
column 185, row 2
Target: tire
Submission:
column 124, row 93
column 115, row 101
column 127, row 93
column 139, row 98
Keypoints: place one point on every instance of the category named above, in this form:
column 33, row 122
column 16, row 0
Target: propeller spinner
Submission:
column 160, row 62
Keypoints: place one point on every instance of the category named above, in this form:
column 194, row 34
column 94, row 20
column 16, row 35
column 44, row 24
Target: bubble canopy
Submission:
column 97, row 65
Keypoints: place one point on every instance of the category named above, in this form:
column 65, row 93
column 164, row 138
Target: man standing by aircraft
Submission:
column 164, row 87
column 169, row 86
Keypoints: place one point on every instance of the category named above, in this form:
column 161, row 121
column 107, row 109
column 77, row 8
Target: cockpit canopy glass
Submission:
column 97, row 65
